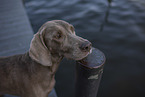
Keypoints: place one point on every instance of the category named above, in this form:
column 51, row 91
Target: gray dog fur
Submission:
column 33, row 74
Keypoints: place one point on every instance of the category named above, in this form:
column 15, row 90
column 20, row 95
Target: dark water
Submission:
column 119, row 32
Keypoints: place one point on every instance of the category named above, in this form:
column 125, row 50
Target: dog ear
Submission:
column 38, row 50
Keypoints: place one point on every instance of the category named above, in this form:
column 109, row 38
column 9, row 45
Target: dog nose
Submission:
column 86, row 46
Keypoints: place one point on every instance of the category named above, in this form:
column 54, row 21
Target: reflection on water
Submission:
column 121, row 38
column 106, row 16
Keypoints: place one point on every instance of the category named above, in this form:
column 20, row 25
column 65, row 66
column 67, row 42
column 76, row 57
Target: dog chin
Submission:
column 80, row 57
column 77, row 59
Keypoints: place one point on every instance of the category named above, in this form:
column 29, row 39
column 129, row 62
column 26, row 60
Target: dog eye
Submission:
column 58, row 35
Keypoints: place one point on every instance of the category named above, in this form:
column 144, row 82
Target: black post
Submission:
column 88, row 74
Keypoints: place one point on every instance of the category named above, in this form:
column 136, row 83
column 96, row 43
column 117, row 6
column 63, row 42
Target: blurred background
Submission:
column 116, row 27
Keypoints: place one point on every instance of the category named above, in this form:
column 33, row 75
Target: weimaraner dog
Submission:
column 32, row 74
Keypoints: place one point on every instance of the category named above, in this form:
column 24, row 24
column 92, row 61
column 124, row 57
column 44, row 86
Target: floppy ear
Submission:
column 38, row 50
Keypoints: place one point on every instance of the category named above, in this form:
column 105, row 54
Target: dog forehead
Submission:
column 58, row 24
column 62, row 23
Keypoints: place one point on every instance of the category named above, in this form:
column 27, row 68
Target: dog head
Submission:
column 57, row 37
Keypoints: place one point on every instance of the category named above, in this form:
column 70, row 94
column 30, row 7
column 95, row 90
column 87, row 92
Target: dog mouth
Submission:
column 87, row 53
column 77, row 54
column 90, row 51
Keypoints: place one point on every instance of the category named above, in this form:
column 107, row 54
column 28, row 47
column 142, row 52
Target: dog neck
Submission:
column 56, row 59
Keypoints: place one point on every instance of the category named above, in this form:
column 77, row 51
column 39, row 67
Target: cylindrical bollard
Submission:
column 88, row 74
